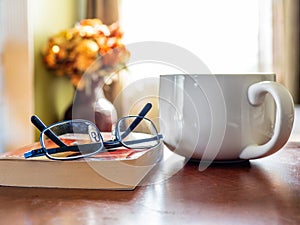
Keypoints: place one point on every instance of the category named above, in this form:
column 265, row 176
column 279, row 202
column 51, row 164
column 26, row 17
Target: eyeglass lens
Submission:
column 144, row 135
column 81, row 139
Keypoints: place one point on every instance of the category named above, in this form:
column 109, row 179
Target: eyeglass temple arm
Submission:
column 74, row 148
column 37, row 122
column 116, row 144
column 137, row 120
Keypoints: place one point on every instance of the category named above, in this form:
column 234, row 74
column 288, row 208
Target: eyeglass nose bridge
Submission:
column 94, row 134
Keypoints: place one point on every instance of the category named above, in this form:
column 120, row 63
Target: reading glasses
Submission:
column 78, row 138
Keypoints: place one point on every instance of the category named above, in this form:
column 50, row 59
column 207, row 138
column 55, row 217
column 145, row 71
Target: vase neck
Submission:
column 91, row 92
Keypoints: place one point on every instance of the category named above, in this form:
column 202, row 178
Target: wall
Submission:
column 52, row 94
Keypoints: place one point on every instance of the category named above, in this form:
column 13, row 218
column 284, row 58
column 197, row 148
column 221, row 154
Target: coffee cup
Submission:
column 224, row 117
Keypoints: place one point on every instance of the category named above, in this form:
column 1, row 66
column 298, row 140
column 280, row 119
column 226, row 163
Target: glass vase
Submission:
column 91, row 104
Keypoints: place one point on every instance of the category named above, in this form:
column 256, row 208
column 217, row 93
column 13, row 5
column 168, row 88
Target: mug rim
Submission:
column 223, row 74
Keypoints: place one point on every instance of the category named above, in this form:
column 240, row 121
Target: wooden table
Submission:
column 264, row 191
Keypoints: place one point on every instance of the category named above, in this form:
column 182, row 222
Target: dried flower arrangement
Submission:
column 89, row 45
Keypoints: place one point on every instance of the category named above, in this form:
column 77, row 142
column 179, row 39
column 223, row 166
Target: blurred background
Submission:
column 232, row 36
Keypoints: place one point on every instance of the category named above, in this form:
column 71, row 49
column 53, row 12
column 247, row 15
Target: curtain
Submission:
column 16, row 75
column 286, row 44
column 106, row 10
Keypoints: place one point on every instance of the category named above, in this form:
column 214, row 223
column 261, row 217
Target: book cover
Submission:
column 122, row 169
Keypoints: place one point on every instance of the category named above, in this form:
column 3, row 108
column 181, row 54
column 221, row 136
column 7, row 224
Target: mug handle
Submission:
column 284, row 118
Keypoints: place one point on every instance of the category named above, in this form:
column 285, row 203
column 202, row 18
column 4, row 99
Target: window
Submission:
column 228, row 36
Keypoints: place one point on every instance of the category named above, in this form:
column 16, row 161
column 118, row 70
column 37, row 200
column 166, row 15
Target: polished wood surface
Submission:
column 264, row 191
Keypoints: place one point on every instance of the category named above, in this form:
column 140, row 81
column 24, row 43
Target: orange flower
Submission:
column 89, row 45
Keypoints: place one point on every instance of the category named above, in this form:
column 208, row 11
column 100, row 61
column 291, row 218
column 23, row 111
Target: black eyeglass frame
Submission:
column 105, row 145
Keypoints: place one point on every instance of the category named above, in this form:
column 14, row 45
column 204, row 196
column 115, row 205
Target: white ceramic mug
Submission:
column 224, row 116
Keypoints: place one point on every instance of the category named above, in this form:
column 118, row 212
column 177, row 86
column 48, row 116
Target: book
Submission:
column 122, row 169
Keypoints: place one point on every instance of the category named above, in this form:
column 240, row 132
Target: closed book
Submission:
column 121, row 169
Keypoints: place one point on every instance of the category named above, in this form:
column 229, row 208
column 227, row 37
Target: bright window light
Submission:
column 225, row 35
